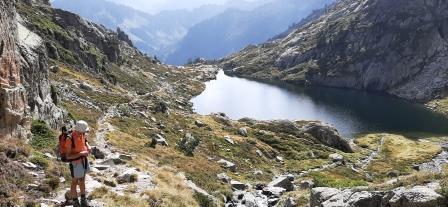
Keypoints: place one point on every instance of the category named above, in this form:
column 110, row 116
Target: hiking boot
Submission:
column 84, row 202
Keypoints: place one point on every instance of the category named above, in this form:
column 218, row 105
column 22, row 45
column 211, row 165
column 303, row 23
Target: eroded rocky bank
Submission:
column 152, row 149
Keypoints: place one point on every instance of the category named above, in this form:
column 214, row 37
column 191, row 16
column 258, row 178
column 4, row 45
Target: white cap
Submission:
column 82, row 126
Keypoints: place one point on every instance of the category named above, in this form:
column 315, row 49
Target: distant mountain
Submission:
column 234, row 29
column 153, row 34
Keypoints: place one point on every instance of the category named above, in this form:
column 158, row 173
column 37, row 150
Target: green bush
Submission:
column 43, row 137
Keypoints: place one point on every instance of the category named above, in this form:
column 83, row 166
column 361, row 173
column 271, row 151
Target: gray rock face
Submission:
column 388, row 46
column 418, row 196
column 328, row 135
column 36, row 75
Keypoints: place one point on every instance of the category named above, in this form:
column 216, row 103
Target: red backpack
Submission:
column 62, row 148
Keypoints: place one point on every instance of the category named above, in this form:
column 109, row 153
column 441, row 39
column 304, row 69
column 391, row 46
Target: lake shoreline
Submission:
column 283, row 87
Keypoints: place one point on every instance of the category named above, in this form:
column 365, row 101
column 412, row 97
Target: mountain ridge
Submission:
column 345, row 48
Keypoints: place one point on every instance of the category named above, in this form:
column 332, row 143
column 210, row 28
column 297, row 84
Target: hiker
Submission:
column 77, row 150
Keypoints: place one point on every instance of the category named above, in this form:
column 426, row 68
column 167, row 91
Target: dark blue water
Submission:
column 351, row 112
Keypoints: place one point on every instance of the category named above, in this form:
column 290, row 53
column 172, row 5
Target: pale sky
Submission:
column 154, row 6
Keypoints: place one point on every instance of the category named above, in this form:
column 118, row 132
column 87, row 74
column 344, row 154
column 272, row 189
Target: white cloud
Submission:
column 154, row 6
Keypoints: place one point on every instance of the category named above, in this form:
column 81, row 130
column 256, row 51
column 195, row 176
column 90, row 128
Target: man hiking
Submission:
column 77, row 151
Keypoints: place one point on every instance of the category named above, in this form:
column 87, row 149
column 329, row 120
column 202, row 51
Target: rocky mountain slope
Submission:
column 151, row 149
column 156, row 34
column 396, row 47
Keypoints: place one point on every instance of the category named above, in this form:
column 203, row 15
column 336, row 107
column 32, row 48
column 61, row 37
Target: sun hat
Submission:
column 82, row 126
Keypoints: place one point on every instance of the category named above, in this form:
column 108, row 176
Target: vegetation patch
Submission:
column 43, row 137
column 340, row 177
column 398, row 153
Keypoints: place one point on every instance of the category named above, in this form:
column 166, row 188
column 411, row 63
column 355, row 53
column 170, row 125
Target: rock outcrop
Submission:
column 13, row 106
column 398, row 47
column 328, row 135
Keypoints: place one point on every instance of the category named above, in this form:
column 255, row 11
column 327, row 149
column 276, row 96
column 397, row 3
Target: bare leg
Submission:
column 73, row 193
column 82, row 185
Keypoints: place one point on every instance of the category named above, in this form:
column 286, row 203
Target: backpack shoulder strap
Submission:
column 72, row 139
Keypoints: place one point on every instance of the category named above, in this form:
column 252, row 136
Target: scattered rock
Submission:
column 29, row 165
column 229, row 139
column 101, row 167
column 97, row 153
column 290, row 202
column 125, row 157
column 85, row 86
column 258, row 172
column 283, row 182
column 110, row 183
column 224, row 177
column 336, row 157
column 161, row 107
column 227, row 165
column 259, row 153
column 158, row 140
column 238, row 185
column 306, row 184
column 55, row 69
column 279, row 159
column 273, row 191
column 199, row 123
column 127, row 177
column 393, row 174
column 49, row 156
column 243, row 131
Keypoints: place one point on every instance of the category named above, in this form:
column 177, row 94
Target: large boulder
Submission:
column 327, row 135
column 418, row 196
